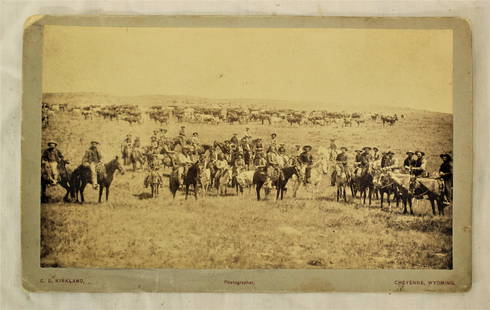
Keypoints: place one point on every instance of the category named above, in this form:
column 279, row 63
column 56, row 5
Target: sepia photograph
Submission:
column 246, row 148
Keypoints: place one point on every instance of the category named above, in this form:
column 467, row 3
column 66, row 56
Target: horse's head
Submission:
column 117, row 165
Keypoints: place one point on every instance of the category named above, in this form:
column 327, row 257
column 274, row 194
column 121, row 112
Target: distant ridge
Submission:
column 145, row 101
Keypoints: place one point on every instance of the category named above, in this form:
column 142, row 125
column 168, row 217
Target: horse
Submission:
column 384, row 185
column 244, row 180
column 105, row 175
column 283, row 179
column 64, row 181
column 126, row 150
column 222, row 180
column 174, row 181
column 204, row 178
column 135, row 157
column 154, row 180
column 341, row 181
column 429, row 188
column 192, row 178
column 362, row 183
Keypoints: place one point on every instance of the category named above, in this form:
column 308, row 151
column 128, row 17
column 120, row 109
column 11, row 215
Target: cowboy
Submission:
column 419, row 166
column 162, row 135
column 297, row 152
column 182, row 131
column 408, row 162
column 274, row 140
column 221, row 166
column 282, row 158
column 53, row 157
column 182, row 161
column 307, row 159
column 195, row 139
column 376, row 154
column 391, row 164
column 92, row 159
column 259, row 147
column 342, row 162
column 446, row 174
column 259, row 161
column 332, row 151
column 238, row 165
column 247, row 133
column 234, row 139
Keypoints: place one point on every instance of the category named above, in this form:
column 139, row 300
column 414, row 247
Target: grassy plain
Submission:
column 135, row 231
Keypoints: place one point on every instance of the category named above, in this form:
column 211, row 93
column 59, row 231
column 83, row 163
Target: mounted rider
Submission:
column 182, row 162
column 419, row 165
column 53, row 157
column 306, row 158
column 341, row 162
column 239, row 164
column 93, row 159
column 282, row 157
column 390, row 163
column 221, row 166
column 409, row 162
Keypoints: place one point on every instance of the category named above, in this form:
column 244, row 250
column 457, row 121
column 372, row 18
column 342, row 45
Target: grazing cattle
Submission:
column 347, row 122
column 360, row 121
column 105, row 175
column 294, row 120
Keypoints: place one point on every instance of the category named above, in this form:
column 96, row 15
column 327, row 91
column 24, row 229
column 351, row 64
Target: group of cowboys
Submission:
column 53, row 159
column 244, row 154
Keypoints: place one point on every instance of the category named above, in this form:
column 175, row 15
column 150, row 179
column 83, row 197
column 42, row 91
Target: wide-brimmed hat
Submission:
column 239, row 155
column 307, row 147
column 52, row 142
column 344, row 148
column 422, row 153
column 281, row 150
column 375, row 148
column 195, row 134
column 391, row 153
column 182, row 126
column 357, row 151
column 409, row 153
column 447, row 155
column 273, row 134
column 366, row 148
column 94, row 142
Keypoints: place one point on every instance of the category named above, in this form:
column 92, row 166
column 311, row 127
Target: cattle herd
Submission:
column 162, row 114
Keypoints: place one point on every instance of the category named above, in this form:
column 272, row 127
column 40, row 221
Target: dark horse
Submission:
column 105, row 174
column 260, row 178
column 362, row 183
column 64, row 180
column 192, row 178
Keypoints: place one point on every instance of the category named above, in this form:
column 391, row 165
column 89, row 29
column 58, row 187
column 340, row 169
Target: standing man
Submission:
column 53, row 157
column 446, row 174
column 307, row 159
column 91, row 159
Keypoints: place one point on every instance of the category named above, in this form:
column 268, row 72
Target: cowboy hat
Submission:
column 409, row 153
column 422, row 153
column 357, row 151
column 94, row 142
column 195, row 134
column 344, row 148
column 366, row 148
column 375, row 148
column 52, row 142
column 273, row 134
column 447, row 155
column 307, row 147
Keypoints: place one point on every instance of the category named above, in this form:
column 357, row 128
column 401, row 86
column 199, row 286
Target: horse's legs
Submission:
column 107, row 193
column 101, row 189
column 257, row 189
column 432, row 204
column 82, row 188
column 43, row 192
column 195, row 190
column 186, row 191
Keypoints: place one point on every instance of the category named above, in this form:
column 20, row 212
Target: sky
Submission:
column 384, row 67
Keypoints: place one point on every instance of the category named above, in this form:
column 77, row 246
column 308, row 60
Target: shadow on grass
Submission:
column 142, row 196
